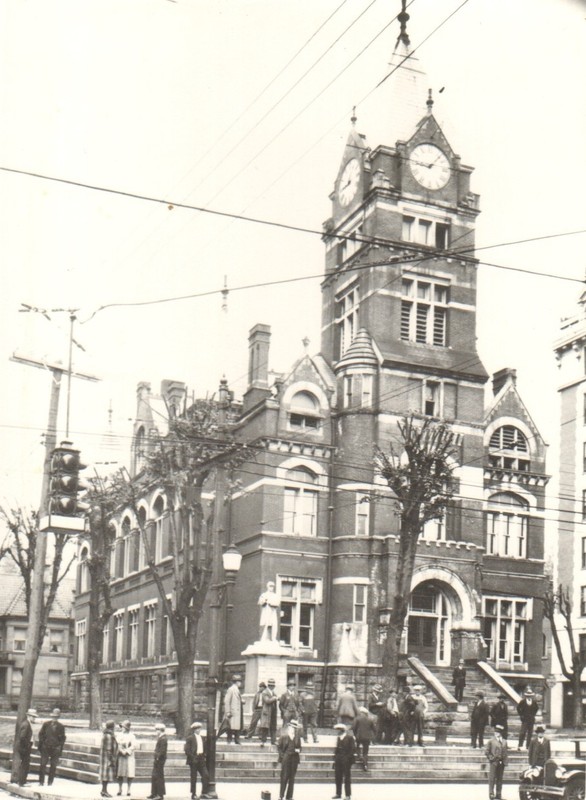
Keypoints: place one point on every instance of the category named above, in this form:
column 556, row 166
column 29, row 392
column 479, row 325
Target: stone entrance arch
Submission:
column 442, row 624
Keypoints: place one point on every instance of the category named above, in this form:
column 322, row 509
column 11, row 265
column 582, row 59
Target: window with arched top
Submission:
column 161, row 533
column 84, row 573
column 507, row 525
column 300, row 502
column 508, row 449
column 304, row 411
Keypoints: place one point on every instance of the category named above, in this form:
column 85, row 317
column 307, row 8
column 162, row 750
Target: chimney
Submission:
column 503, row 376
column 259, row 340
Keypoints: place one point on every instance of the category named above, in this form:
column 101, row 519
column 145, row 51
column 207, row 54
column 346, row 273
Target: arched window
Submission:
column 300, row 502
column 508, row 449
column 161, row 547
column 84, row 573
column 121, row 545
column 142, row 522
column 507, row 524
column 304, row 411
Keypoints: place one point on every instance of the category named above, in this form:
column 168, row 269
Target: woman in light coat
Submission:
column 126, row 757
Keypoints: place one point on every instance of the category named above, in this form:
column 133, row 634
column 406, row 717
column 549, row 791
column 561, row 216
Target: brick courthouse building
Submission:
column 398, row 336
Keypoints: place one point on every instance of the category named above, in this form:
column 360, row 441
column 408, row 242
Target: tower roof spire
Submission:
column 429, row 101
column 403, row 18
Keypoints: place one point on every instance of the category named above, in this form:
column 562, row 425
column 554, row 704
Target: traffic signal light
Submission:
column 66, row 484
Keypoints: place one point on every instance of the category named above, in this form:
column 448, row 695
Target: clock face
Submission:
column 349, row 182
column 429, row 166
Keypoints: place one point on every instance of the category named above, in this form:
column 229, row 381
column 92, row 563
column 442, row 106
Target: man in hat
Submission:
column 233, row 709
column 478, row 719
column 391, row 723
column 267, row 725
column 344, row 755
column 419, row 713
column 539, row 748
column 459, row 680
column 25, row 744
column 376, row 706
column 158, row 773
column 364, row 731
column 309, row 710
column 499, row 714
column 256, row 710
column 289, row 703
column 496, row 753
column 347, row 708
column 51, row 741
column 527, row 710
column 289, row 748
column 195, row 753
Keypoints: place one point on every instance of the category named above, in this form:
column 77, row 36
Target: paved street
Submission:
column 179, row 791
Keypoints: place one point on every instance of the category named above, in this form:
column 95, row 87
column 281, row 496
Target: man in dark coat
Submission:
column 268, row 719
column 499, row 714
column 365, row 733
column 290, row 704
column 51, row 741
column 376, row 706
column 25, row 745
column 478, row 720
column 309, row 711
column 158, row 773
column 407, row 711
column 527, row 710
column 459, row 680
column 195, row 752
column 496, row 753
column 289, row 747
column 539, row 748
column 343, row 760
column 256, row 710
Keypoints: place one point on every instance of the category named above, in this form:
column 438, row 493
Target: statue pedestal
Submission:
column 264, row 660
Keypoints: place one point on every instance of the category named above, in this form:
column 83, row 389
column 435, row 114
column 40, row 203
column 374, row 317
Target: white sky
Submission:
column 136, row 96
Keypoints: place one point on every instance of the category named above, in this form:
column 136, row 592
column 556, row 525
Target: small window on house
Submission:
column 305, row 411
column 509, row 450
column 362, row 514
column 583, row 601
column 19, row 640
column 359, row 603
column 584, row 552
column 431, row 402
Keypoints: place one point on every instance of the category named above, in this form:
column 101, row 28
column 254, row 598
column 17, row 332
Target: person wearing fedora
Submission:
column 158, row 774
column 267, row 725
column 256, row 710
column 344, row 755
column 459, row 680
column 289, row 747
column 527, row 710
column 499, row 713
column 478, row 720
column 496, row 753
column 25, row 745
column 233, row 703
column 290, row 703
column 376, row 706
column 309, row 711
column 51, row 741
column 195, row 752
column 126, row 758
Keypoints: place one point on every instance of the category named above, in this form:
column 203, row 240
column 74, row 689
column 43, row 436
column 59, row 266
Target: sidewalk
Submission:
column 63, row 789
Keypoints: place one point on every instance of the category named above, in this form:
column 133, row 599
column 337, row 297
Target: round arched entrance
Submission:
column 429, row 623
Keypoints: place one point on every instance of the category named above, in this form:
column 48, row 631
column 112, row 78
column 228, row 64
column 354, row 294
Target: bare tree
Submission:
column 197, row 447
column 556, row 605
column 419, row 472
column 19, row 546
column 104, row 498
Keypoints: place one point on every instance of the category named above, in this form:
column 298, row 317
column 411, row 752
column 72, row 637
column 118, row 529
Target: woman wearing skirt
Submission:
column 126, row 758
column 108, row 753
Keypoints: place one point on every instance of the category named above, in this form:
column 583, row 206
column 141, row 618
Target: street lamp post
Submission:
column 231, row 560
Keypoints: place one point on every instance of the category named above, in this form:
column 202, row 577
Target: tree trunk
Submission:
column 577, row 692
column 95, row 700
column 185, row 693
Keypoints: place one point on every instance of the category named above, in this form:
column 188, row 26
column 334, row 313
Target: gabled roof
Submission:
column 12, row 602
column 508, row 403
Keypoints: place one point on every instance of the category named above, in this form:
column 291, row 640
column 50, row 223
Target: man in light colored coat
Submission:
column 233, row 709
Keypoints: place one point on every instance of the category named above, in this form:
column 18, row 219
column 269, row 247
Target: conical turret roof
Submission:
column 360, row 353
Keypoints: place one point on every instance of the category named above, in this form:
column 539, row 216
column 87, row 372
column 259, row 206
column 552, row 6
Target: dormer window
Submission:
column 305, row 411
column 508, row 449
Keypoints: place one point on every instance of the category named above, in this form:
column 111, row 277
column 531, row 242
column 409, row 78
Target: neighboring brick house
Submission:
column 51, row 685
column 310, row 514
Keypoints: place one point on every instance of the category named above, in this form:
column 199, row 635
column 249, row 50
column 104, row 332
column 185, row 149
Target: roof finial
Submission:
column 225, row 291
column 403, row 18
column 305, row 342
column 429, row 101
column 353, row 118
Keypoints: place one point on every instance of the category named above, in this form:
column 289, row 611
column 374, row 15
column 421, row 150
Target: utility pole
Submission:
column 33, row 644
